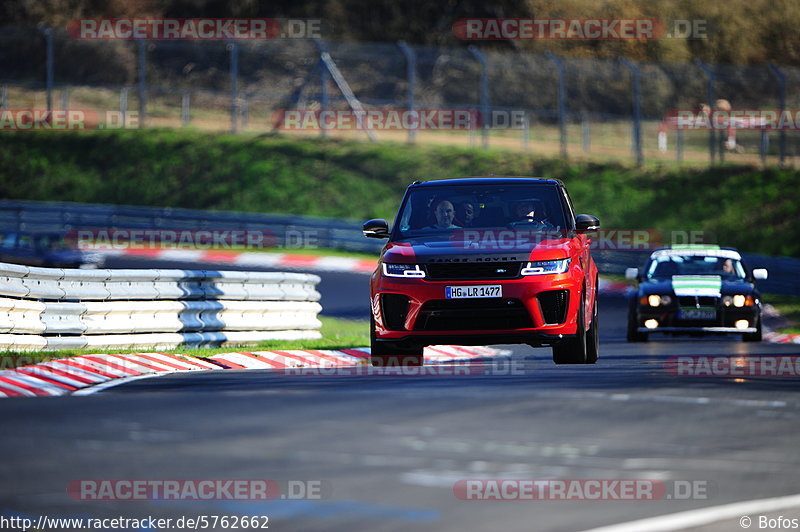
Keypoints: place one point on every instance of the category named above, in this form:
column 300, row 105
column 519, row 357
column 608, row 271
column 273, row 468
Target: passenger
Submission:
column 465, row 215
column 532, row 212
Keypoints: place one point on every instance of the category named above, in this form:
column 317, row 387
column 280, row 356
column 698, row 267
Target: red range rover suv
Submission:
column 477, row 261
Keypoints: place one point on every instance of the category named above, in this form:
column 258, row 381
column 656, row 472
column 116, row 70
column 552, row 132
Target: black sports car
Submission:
column 48, row 250
column 695, row 290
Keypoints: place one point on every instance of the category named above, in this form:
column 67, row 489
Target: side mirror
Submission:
column 760, row 273
column 377, row 228
column 585, row 223
column 632, row 273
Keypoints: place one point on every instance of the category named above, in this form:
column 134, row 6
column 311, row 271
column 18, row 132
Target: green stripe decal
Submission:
column 696, row 285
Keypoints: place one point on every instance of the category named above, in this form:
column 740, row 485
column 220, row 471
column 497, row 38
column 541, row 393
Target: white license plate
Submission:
column 485, row 290
column 697, row 314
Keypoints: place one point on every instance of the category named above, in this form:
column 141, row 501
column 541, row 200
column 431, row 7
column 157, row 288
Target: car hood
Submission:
column 423, row 250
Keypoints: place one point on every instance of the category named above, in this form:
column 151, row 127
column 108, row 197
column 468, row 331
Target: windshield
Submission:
column 430, row 211
column 665, row 267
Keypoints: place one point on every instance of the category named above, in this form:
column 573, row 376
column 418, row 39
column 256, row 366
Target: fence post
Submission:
column 411, row 81
column 185, row 106
column 679, row 145
column 48, row 76
column 562, row 104
column 65, row 98
column 142, row 82
column 484, row 94
column 245, row 112
column 585, row 138
column 233, row 48
column 123, row 104
column 712, row 145
column 781, row 77
column 764, row 146
column 323, row 83
column 636, row 88
column 5, row 98
column 526, row 132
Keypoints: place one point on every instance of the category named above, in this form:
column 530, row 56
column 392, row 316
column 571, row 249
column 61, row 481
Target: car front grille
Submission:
column 472, row 271
column 697, row 301
column 473, row 314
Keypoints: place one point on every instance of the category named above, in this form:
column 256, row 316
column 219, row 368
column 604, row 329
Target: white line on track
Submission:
column 703, row 516
column 116, row 382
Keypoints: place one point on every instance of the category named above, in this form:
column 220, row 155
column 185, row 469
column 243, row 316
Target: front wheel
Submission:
column 593, row 338
column 573, row 350
column 389, row 354
column 753, row 337
column 633, row 333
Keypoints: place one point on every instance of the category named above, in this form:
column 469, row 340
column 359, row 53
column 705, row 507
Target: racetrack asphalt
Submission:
column 388, row 450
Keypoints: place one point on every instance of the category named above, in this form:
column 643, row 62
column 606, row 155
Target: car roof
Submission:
column 697, row 251
column 492, row 180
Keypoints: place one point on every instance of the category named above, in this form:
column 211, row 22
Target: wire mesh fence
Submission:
column 607, row 109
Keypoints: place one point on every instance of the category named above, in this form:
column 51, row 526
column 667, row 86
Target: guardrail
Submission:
column 52, row 308
column 331, row 233
column 287, row 230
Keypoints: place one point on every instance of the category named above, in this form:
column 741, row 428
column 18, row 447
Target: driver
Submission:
column 727, row 268
column 445, row 214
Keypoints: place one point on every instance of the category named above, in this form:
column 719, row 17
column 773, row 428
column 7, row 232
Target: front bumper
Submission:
column 711, row 330
column 723, row 323
column 426, row 300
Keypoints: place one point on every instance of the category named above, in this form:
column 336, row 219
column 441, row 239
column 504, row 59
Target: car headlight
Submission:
column 544, row 267
column 655, row 300
column 739, row 300
column 402, row 270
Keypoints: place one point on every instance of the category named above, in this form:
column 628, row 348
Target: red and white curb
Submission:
column 86, row 374
column 778, row 338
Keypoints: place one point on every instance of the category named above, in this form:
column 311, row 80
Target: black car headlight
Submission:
column 403, row 270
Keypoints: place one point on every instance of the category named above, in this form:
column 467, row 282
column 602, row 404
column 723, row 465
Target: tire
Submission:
column 593, row 337
column 389, row 354
column 572, row 350
column 753, row 337
column 633, row 334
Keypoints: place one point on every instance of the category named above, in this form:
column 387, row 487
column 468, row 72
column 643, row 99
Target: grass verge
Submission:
column 747, row 207
column 789, row 307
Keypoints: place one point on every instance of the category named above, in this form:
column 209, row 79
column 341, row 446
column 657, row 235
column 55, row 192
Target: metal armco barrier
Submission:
column 284, row 230
column 332, row 233
column 53, row 308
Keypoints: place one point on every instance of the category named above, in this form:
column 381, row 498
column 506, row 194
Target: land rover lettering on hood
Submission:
column 476, row 261
column 695, row 290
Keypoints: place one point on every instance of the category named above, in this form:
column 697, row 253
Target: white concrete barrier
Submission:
column 53, row 308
